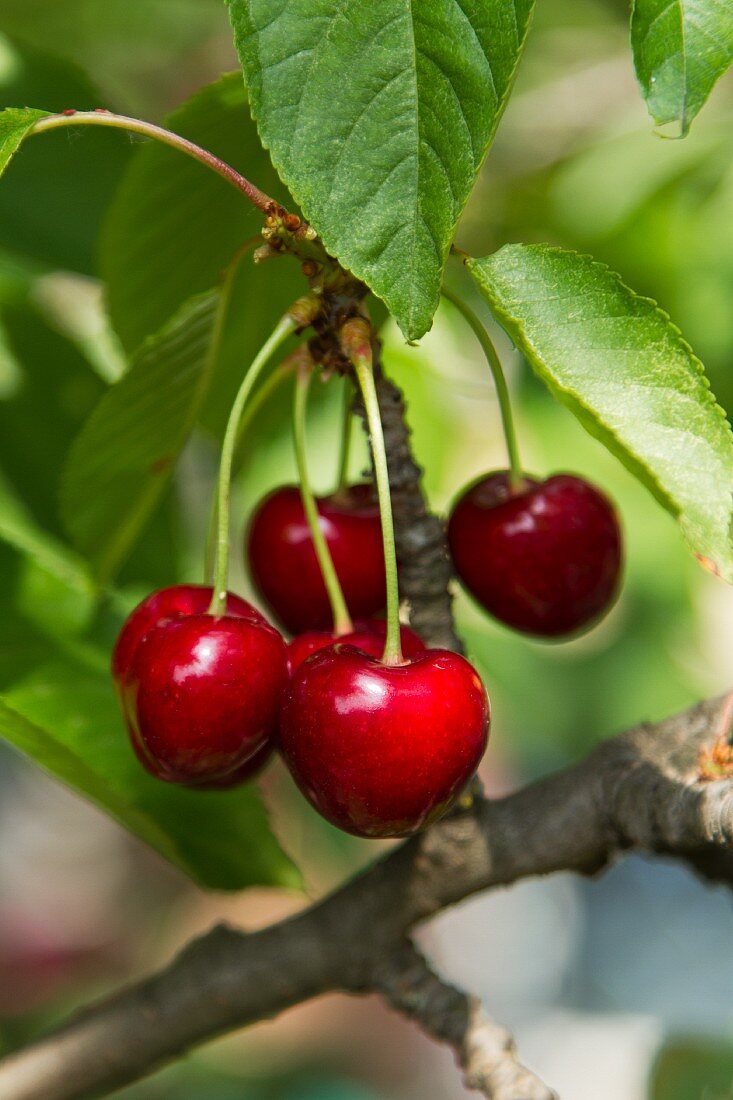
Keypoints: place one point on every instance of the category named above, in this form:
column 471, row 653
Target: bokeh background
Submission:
column 624, row 981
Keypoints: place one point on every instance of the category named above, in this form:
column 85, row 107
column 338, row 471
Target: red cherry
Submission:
column 382, row 750
column 368, row 636
column 169, row 603
column 545, row 560
column 284, row 566
column 242, row 774
column 202, row 695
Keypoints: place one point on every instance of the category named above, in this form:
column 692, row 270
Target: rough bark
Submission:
column 638, row 791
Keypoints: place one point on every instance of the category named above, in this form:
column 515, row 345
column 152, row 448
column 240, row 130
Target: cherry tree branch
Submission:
column 484, row 1050
column 639, row 791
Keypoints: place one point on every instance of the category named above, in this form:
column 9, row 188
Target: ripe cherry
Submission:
column 242, row 774
column 202, row 695
column 283, row 561
column 545, row 559
column 169, row 603
column 368, row 636
column 381, row 750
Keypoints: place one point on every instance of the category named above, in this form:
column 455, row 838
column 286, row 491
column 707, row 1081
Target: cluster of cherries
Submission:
column 379, row 749
column 380, row 732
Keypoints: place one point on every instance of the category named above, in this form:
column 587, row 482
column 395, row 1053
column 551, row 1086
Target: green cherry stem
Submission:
column 295, row 318
column 260, row 398
column 516, row 476
column 356, row 345
column 148, row 129
column 343, row 474
column 341, row 619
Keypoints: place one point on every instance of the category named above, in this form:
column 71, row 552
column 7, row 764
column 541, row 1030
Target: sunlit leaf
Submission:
column 681, row 48
column 378, row 116
column 619, row 364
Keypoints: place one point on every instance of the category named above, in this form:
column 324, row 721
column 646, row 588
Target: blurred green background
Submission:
column 625, row 981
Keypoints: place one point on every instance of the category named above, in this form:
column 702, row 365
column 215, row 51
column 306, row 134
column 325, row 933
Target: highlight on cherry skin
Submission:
column 169, row 603
column 368, row 636
column 382, row 750
column 545, row 559
column 284, row 567
column 200, row 694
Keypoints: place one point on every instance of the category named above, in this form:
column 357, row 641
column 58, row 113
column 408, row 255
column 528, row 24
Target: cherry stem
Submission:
column 260, row 398
column 343, row 474
column 356, row 345
column 516, row 475
column 341, row 619
column 148, row 129
column 285, row 326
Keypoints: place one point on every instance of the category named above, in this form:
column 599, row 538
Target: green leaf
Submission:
column 378, row 116
column 64, row 717
column 22, row 533
column 619, row 364
column 681, row 47
column 174, row 225
column 123, row 456
column 693, row 1069
column 56, row 224
column 15, row 125
column 50, row 392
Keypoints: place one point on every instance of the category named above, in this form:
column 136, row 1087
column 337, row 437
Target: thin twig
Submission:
column 484, row 1050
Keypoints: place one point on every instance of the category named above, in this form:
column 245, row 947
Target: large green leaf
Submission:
column 123, row 456
column 681, row 47
column 64, row 716
column 378, row 116
column 619, row 364
column 174, row 225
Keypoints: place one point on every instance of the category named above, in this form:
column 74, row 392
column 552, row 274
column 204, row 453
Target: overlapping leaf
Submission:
column 124, row 454
column 378, row 116
column 174, row 225
column 19, row 531
column 63, row 715
column 681, row 48
column 616, row 361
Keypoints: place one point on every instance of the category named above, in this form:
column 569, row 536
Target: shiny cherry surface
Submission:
column 169, row 603
column 546, row 560
column 284, row 566
column 202, row 695
column 369, row 636
column 382, row 750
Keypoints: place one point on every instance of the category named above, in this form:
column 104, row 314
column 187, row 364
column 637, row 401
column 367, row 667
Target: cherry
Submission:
column 545, row 559
column 168, row 603
column 202, row 695
column 283, row 561
column 368, row 636
column 242, row 774
column 381, row 750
